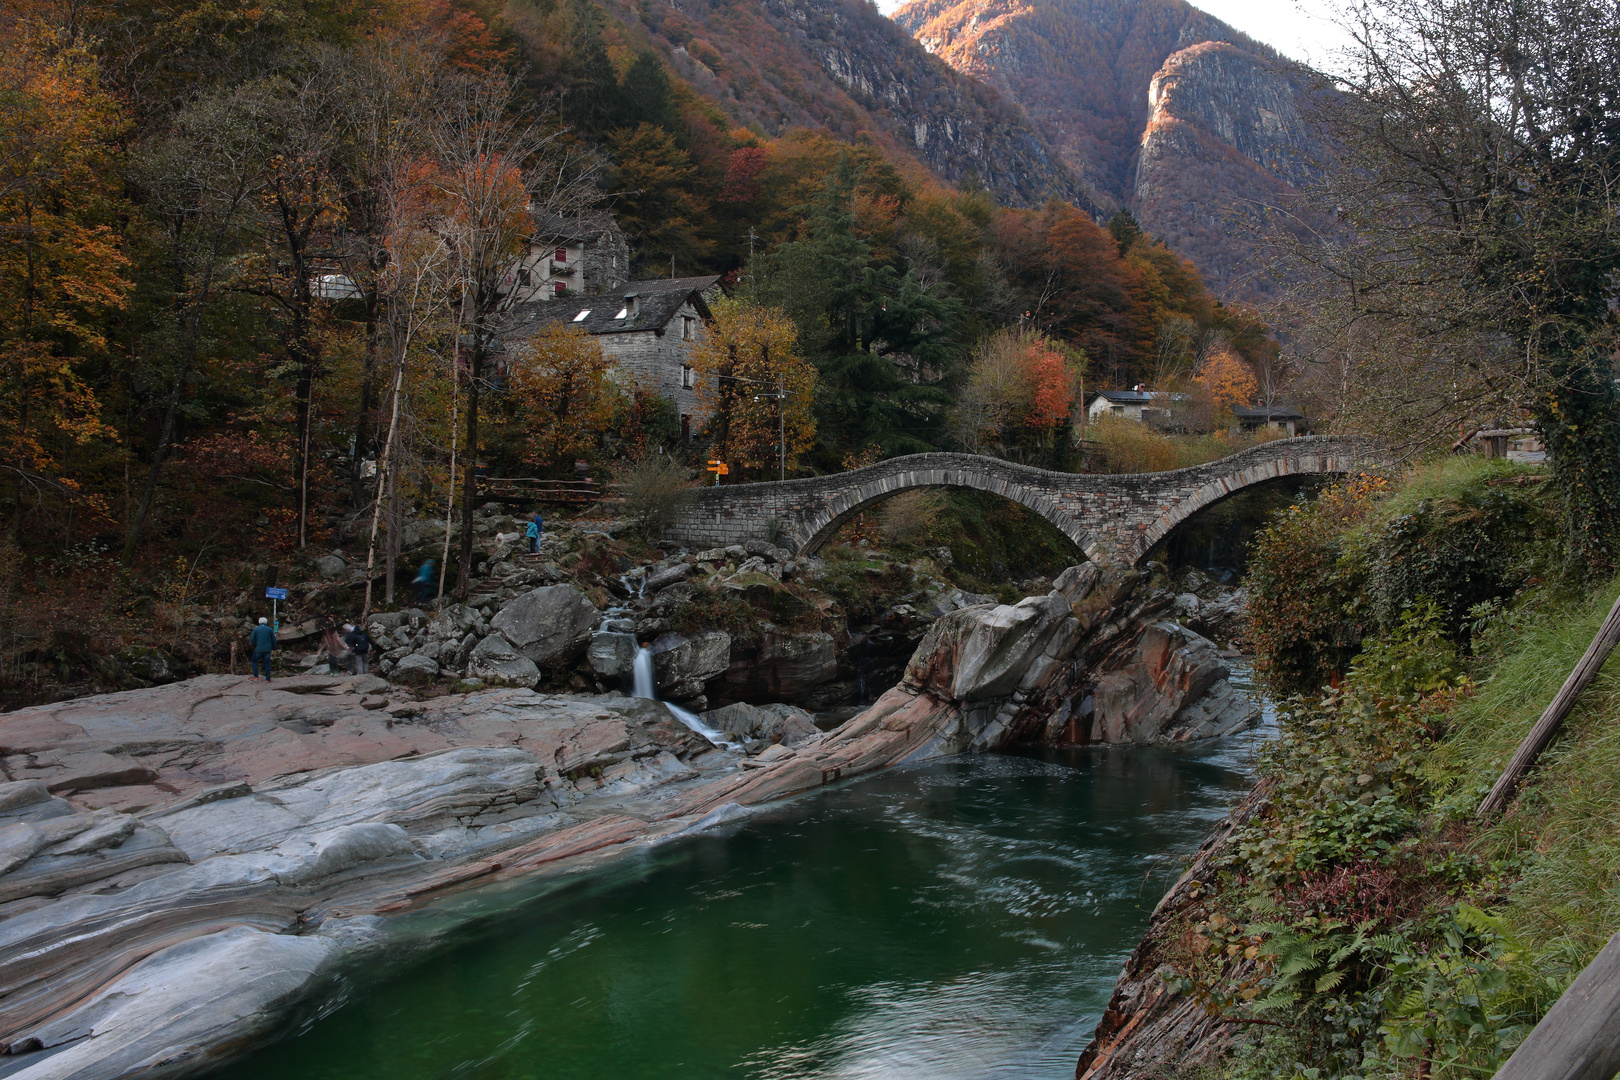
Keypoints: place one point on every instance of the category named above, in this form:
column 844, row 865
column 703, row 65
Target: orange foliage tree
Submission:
column 61, row 259
column 560, row 378
column 748, row 354
column 1019, row 393
column 1228, row 381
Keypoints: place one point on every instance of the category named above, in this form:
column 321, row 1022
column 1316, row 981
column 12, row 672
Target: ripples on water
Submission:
column 964, row 919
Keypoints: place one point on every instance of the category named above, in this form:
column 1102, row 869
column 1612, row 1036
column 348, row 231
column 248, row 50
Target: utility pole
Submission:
column 781, row 426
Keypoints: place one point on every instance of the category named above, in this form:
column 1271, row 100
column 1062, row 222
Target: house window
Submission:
column 624, row 311
column 688, row 377
column 582, row 316
column 525, row 279
column 686, row 428
column 687, row 323
column 562, row 254
column 560, row 287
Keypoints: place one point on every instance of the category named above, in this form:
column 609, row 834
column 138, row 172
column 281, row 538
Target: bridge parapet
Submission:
column 1110, row 517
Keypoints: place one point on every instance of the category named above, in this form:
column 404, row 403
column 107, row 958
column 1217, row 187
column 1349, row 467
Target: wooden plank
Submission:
column 1524, row 758
column 1579, row 1038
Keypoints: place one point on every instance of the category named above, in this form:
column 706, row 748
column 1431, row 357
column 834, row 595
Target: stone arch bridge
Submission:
column 1112, row 518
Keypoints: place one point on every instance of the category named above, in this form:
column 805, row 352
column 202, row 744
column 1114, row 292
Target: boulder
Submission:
column 790, row 725
column 550, row 625
column 784, row 666
column 331, row 567
column 682, row 664
column 668, row 575
column 144, row 662
column 1143, row 701
column 611, row 655
column 415, row 670
column 494, row 660
column 984, row 652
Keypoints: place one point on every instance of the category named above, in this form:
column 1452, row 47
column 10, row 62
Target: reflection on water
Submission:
column 961, row 919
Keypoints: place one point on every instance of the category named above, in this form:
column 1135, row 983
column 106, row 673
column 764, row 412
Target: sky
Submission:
column 1302, row 29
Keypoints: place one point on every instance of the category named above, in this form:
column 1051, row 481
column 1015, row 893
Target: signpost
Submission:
column 274, row 595
column 719, row 468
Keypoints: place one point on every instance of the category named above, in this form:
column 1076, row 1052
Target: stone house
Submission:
column 1127, row 404
column 647, row 329
column 581, row 255
column 1273, row 417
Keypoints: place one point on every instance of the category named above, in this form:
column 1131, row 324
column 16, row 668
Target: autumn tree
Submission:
column 1227, row 381
column 1017, row 398
column 1464, row 243
column 756, row 392
column 500, row 170
column 560, row 379
column 62, row 262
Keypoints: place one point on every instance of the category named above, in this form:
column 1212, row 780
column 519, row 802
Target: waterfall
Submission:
column 642, row 671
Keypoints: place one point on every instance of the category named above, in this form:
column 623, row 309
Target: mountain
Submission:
column 840, row 65
column 1155, row 105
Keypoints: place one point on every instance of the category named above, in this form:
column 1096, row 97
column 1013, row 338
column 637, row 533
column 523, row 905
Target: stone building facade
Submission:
column 567, row 257
column 648, row 329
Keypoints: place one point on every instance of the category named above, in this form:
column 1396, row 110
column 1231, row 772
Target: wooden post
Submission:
column 233, row 658
column 1524, row 758
column 1579, row 1038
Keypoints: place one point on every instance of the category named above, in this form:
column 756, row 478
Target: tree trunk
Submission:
column 469, row 471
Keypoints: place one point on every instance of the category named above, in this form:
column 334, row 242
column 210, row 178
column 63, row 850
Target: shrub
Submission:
column 655, row 488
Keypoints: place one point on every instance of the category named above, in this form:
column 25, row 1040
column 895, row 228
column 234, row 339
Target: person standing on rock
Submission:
column 332, row 647
column 424, row 582
column 260, row 644
column 536, row 529
column 359, row 645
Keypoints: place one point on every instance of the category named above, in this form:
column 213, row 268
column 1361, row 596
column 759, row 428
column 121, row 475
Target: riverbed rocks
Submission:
column 1090, row 662
column 497, row 662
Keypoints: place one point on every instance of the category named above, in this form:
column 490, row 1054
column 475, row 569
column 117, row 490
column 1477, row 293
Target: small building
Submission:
column 1275, row 417
column 1126, row 404
column 582, row 255
column 647, row 330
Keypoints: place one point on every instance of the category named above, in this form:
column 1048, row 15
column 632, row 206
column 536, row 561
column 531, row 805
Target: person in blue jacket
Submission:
column 535, row 531
column 424, row 582
column 260, row 643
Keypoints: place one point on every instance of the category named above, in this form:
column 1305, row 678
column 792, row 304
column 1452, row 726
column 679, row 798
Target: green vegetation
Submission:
column 1365, row 923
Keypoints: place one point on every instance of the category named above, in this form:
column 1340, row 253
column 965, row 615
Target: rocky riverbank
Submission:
column 177, row 863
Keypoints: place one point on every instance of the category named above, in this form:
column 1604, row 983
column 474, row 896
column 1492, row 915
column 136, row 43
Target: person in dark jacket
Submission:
column 359, row 646
column 260, row 644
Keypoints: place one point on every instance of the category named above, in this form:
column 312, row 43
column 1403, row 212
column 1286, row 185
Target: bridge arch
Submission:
column 1218, row 488
column 825, row 523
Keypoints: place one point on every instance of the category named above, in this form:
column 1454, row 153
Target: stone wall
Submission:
column 1109, row 517
column 653, row 359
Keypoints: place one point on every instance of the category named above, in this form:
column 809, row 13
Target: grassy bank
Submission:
column 1368, row 924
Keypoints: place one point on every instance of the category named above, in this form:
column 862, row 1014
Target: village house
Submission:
column 574, row 256
column 1273, row 417
column 1137, row 404
column 647, row 329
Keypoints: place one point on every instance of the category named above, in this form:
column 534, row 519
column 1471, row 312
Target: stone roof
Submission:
column 656, row 303
column 1125, row 397
column 1274, row 412
column 586, row 228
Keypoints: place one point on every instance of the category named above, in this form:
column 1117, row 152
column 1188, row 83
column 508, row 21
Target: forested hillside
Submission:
column 252, row 261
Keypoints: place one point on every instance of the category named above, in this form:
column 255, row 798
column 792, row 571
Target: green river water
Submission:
column 961, row 919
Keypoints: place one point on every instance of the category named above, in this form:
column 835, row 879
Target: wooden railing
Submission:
column 528, row 489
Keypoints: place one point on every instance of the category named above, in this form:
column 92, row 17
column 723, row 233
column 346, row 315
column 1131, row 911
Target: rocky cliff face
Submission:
column 1226, row 131
column 1156, row 105
column 840, row 65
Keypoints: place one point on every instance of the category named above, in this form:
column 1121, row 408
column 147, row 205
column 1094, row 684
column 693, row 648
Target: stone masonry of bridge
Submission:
column 1111, row 518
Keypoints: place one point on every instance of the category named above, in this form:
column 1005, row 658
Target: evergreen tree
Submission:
column 591, row 100
column 646, row 97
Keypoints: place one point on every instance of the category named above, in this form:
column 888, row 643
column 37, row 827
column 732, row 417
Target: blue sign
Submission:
column 275, row 594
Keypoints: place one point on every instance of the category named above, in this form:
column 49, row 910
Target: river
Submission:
column 965, row 918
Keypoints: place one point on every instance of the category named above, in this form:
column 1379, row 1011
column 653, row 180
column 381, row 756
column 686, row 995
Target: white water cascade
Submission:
column 646, row 688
